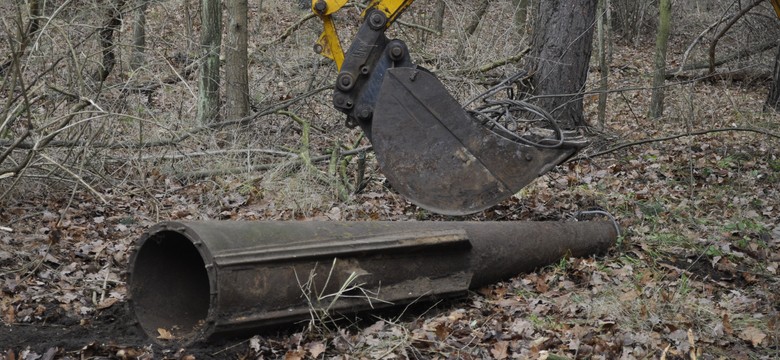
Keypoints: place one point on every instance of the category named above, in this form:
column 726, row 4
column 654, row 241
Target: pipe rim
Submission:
column 189, row 315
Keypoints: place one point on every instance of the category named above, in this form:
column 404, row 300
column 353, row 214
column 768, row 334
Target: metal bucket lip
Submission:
column 180, row 229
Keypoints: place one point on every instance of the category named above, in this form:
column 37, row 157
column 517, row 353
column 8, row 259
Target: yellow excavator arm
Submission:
column 329, row 44
column 776, row 5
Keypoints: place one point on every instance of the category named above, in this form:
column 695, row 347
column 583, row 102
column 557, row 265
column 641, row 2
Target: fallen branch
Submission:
column 697, row 40
column 487, row 67
column 756, row 49
column 289, row 30
column 210, row 153
column 723, row 31
column 743, row 75
column 295, row 159
column 178, row 76
column 418, row 27
column 75, row 176
column 673, row 137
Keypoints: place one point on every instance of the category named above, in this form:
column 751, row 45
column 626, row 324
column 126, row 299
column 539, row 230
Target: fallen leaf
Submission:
column 165, row 334
column 752, row 335
column 254, row 343
column 129, row 353
column 10, row 315
column 315, row 349
column 727, row 325
column 106, row 303
column 629, row 296
column 499, row 350
column 442, row 331
column 294, row 355
column 692, row 343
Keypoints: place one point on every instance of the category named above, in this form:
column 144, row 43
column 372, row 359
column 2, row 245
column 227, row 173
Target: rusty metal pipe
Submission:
column 198, row 280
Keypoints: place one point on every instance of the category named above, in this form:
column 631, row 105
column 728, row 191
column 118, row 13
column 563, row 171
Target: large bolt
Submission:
column 318, row 48
column 345, row 82
column 320, row 6
column 396, row 52
column 364, row 112
column 342, row 101
column 377, row 20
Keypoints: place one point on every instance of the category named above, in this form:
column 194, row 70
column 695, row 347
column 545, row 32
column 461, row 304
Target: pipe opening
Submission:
column 170, row 286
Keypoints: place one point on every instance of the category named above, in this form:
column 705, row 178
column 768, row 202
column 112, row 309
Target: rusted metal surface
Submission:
column 434, row 154
column 203, row 279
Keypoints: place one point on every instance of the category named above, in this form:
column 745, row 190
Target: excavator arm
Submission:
column 329, row 45
column 440, row 156
column 437, row 154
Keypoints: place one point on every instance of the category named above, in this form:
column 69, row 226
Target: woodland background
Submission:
column 102, row 136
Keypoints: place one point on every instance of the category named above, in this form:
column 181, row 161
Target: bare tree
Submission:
column 236, row 77
column 656, row 109
column 33, row 24
column 631, row 18
column 773, row 99
column 139, row 35
column 438, row 15
column 562, row 42
column 210, row 43
column 477, row 17
column 111, row 25
column 603, row 63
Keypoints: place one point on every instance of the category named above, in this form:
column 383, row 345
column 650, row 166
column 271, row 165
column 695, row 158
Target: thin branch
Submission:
column 212, row 153
column 487, row 67
column 292, row 28
column 182, row 135
column 725, row 29
column 756, row 49
column 78, row 178
column 293, row 161
column 673, row 137
column 419, row 27
column 698, row 39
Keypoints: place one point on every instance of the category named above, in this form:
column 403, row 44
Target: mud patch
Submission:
column 109, row 334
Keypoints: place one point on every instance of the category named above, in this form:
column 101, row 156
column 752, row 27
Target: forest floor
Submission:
column 694, row 275
column 695, row 272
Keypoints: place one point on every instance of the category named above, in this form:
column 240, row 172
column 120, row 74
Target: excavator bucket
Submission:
column 432, row 151
column 439, row 157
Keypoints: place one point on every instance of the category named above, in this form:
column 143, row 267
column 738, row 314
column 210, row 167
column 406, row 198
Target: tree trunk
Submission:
column 210, row 42
column 477, row 17
column 630, row 20
column 603, row 64
column 662, row 39
column 236, row 77
column 438, row 16
column 773, row 99
column 112, row 24
column 32, row 27
column 188, row 27
column 562, row 42
column 139, row 35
